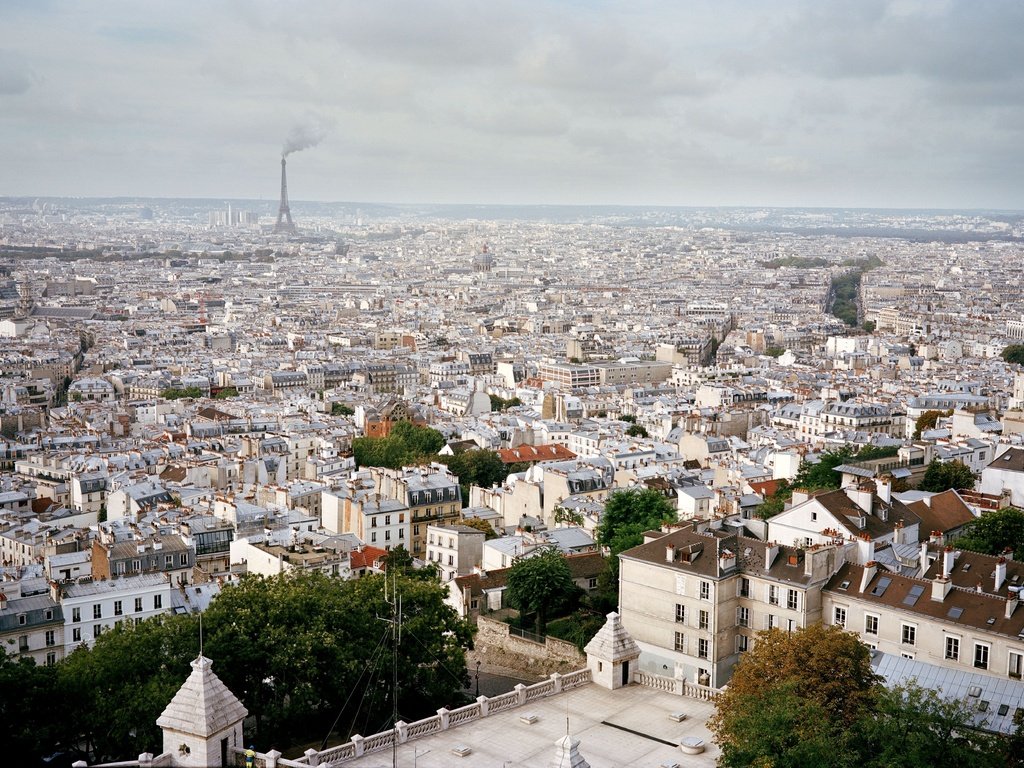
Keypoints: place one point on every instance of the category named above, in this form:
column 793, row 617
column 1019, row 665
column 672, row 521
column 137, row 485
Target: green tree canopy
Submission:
column 926, row 421
column 540, row 583
column 636, row 430
column 481, row 525
column 292, row 648
column 483, row 468
column 942, row 476
column 811, row 698
column 1014, row 353
column 627, row 514
column 407, row 444
column 994, row 532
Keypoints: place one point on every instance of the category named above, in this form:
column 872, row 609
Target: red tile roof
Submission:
column 534, row 453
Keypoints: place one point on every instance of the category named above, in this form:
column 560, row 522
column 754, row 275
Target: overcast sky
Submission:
column 910, row 103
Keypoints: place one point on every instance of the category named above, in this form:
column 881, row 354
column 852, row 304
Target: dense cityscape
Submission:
column 192, row 400
column 512, row 385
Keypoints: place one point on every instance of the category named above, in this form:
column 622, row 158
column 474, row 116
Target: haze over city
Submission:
column 868, row 104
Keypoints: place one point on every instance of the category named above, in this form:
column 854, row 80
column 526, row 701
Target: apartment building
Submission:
column 695, row 597
column 454, row 549
column 31, row 625
column 91, row 606
column 431, row 493
column 959, row 610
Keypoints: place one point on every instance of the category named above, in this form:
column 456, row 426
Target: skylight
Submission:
column 915, row 592
column 955, row 613
column 881, row 586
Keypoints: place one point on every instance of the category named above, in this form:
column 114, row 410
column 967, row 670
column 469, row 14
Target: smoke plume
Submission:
column 304, row 136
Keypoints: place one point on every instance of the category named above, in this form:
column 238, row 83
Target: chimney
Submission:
column 940, row 588
column 1000, row 573
column 947, row 562
column 1008, row 553
column 3, row 601
column 922, row 559
column 1011, row 603
column 770, row 553
column 861, row 495
column 870, row 569
column 865, row 550
column 884, row 487
column 897, row 532
column 670, row 553
column 936, row 537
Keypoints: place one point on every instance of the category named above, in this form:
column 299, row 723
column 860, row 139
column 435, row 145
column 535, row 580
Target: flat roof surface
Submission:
column 503, row 740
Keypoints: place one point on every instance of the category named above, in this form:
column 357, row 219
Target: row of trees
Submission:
column 811, row 698
column 302, row 652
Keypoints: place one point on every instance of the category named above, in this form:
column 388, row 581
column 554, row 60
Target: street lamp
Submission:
column 478, row 678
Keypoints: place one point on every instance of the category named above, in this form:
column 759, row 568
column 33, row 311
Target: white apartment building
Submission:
column 92, row 606
column 454, row 549
column 694, row 598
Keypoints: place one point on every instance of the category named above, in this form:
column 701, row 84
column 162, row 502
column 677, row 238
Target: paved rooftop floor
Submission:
column 503, row 741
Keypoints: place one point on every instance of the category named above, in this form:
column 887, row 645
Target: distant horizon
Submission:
column 632, row 206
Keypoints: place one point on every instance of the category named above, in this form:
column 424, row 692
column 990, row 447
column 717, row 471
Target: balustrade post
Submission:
column 484, row 703
column 520, row 690
column 272, row 757
column 556, row 679
column 443, row 714
column 357, row 744
column 402, row 731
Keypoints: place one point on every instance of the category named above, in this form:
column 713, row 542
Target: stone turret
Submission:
column 567, row 754
column 612, row 654
column 203, row 721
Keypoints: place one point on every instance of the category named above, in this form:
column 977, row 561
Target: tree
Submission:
column 627, row 514
column 636, row 430
column 565, row 516
column 915, row 726
column 540, row 583
column 1014, row 353
column 421, row 441
column 942, row 476
column 994, row 532
column 340, row 409
column 776, row 503
column 226, row 393
column 822, row 474
column 815, row 683
column 28, row 728
column 926, row 421
column 868, row 326
column 481, row 525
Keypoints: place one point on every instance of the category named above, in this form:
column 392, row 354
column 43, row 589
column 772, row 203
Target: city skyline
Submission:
column 876, row 105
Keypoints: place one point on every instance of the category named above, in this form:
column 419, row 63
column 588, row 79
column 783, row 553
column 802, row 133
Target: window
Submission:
column 373, row 537
column 742, row 643
column 953, row 648
column 76, row 635
column 703, row 620
column 770, row 621
column 387, row 519
column 48, row 614
column 793, row 600
column 96, row 629
column 870, row 624
column 51, row 637
column 76, row 614
column 743, row 617
column 158, row 602
column 183, row 559
column 702, row 648
column 136, row 565
column 705, row 590
column 138, row 604
column 51, row 659
column 451, row 559
column 909, row 634
column 117, row 608
column 743, row 587
column 773, row 595
column 681, row 613
column 839, row 616
column 168, row 561
column 1016, row 664
column 906, row 654
column 22, row 620
column 981, row 651
column 680, row 644
column 401, row 533
column 387, row 535
column 97, row 611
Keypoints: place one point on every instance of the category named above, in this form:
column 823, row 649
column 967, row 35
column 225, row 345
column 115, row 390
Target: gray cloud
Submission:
column 910, row 102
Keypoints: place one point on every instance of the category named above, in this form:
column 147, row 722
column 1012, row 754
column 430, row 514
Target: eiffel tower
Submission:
column 284, row 214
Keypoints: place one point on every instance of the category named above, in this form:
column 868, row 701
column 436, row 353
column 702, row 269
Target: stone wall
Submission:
column 495, row 645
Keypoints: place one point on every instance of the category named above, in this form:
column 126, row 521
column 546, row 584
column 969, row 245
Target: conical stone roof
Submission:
column 567, row 754
column 202, row 706
column 612, row 642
